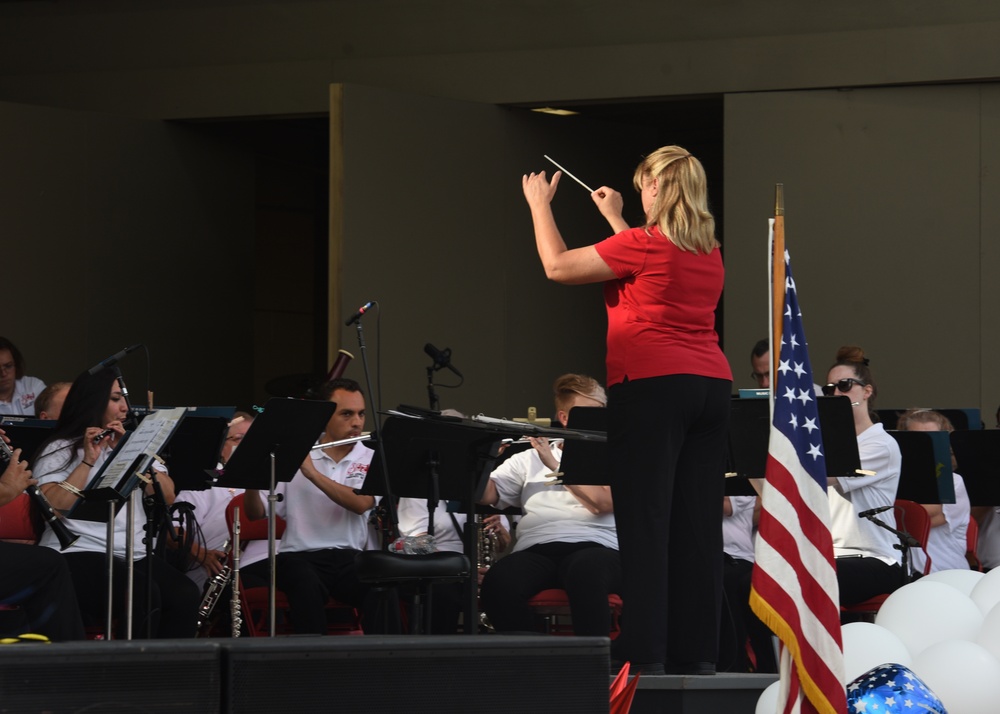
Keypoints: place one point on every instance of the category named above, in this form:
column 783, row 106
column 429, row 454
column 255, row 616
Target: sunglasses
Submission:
column 843, row 386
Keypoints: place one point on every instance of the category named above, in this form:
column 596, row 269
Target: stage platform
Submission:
column 397, row 675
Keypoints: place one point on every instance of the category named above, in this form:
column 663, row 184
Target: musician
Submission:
column 946, row 544
column 327, row 522
column 760, row 364
column 566, row 538
column 49, row 403
column 32, row 578
column 669, row 395
column 89, row 427
column 17, row 391
column 867, row 563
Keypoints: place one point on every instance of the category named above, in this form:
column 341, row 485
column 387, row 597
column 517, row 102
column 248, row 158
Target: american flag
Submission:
column 795, row 580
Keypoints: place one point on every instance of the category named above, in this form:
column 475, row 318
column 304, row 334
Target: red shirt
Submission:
column 661, row 309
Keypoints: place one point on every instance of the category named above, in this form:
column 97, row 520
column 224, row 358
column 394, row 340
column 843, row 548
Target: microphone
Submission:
column 361, row 311
column 873, row 511
column 442, row 358
column 112, row 360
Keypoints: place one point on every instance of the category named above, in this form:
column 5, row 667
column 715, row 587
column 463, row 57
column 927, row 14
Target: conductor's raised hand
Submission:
column 538, row 190
column 609, row 202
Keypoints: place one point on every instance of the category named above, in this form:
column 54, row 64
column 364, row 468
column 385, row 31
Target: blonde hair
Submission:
column 569, row 386
column 680, row 208
column 924, row 416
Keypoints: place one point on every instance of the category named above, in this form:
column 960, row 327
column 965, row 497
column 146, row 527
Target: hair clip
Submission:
column 259, row 410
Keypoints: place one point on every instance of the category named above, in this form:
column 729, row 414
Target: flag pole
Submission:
column 777, row 278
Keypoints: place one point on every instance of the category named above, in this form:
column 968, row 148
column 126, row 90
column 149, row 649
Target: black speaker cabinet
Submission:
column 149, row 677
column 440, row 674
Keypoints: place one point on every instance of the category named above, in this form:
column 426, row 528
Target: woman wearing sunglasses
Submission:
column 867, row 563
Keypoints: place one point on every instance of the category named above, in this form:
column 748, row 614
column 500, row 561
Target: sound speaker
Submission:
column 461, row 673
column 148, row 677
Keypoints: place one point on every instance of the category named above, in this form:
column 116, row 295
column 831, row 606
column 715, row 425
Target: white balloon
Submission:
column 989, row 636
column 926, row 612
column 768, row 701
column 986, row 594
column 867, row 645
column 963, row 580
column 963, row 675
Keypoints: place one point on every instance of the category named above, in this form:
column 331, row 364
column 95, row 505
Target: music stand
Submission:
column 272, row 450
column 925, row 474
column 584, row 461
column 750, row 432
column 26, row 434
column 193, row 452
column 977, row 454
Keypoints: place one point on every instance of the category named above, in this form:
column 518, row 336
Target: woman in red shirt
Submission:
column 669, row 390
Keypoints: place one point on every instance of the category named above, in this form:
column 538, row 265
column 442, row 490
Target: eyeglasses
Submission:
column 235, row 437
column 843, row 386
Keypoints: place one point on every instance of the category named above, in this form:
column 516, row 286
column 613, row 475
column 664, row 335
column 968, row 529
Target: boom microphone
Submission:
column 873, row 511
column 442, row 358
column 112, row 360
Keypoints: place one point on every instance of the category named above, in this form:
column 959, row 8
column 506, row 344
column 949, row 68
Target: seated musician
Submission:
column 327, row 523
column 88, row 429
column 946, row 545
column 566, row 538
column 35, row 579
column 867, row 563
column 17, row 390
column 49, row 403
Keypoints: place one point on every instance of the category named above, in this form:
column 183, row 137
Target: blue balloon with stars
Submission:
column 891, row 688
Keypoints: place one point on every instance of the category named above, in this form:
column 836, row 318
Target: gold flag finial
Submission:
column 779, row 199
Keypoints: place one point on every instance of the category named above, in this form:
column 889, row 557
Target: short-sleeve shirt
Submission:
column 661, row 308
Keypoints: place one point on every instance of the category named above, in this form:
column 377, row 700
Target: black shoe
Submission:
column 700, row 669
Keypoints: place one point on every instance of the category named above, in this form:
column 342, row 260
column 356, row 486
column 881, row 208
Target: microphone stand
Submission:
column 432, row 396
column 376, row 434
column 906, row 541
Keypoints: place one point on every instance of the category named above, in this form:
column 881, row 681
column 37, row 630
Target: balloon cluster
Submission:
column 935, row 644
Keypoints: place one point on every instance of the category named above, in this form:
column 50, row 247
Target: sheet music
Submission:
column 144, row 442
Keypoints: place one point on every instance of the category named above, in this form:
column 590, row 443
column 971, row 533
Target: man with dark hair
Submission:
column 326, row 521
column 760, row 364
column 17, row 391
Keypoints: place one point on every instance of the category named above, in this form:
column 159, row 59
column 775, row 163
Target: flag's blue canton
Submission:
column 795, row 411
column 889, row 689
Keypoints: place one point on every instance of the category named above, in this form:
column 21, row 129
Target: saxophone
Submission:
column 214, row 588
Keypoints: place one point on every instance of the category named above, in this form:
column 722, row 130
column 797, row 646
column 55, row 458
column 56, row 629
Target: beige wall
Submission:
column 890, row 225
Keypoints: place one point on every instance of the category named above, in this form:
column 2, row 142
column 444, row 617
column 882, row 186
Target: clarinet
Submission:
column 236, row 614
column 213, row 589
column 63, row 533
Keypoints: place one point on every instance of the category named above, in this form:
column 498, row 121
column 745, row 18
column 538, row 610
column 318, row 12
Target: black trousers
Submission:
column 667, row 443
column 175, row 597
column 588, row 572
column 862, row 578
column 310, row 578
column 739, row 622
column 37, row 580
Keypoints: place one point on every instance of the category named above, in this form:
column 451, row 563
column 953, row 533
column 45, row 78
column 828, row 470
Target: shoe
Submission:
column 698, row 669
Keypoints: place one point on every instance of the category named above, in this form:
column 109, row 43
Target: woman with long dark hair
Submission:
column 88, row 429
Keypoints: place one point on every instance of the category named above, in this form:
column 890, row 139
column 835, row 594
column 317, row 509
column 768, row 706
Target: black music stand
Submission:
column 925, row 475
column 978, row 453
column 272, row 450
column 26, row 434
column 585, row 461
column 193, row 452
column 750, row 430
